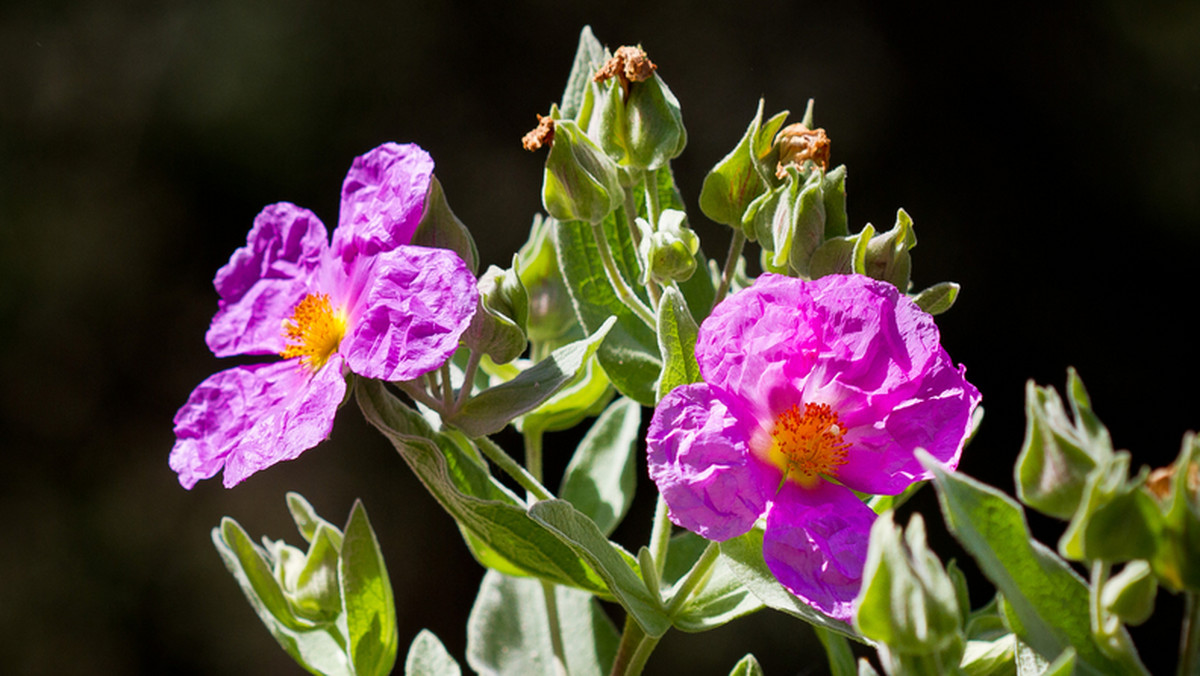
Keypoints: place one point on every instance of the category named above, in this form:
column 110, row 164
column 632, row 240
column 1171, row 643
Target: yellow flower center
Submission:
column 313, row 331
column 808, row 444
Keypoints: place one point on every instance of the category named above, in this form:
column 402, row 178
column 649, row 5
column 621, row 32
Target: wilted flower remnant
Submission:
column 811, row 389
column 366, row 303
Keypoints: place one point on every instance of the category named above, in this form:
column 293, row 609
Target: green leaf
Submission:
column 602, row 475
column 585, row 396
column 473, row 498
column 747, row 666
column 1049, row 602
column 508, row 629
column 677, row 332
column 630, row 354
column 589, row 56
column 367, row 597
column 428, row 657
column 612, row 564
column 317, row 648
column 938, row 298
column 723, row 597
column 489, row 411
column 744, row 556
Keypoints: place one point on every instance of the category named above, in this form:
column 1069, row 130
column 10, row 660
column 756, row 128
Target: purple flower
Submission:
column 810, row 389
column 367, row 303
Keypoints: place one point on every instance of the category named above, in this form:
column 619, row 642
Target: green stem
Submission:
column 633, row 651
column 1189, row 641
column 622, row 289
column 447, row 387
column 556, row 642
column 837, row 651
column 631, row 219
column 653, row 210
column 418, row 393
column 695, row 579
column 464, row 392
column 660, row 536
column 512, row 468
column 533, row 453
column 735, row 252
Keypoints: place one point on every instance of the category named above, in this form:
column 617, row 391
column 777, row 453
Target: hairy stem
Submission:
column 695, row 579
column 512, row 468
column 633, row 651
column 626, row 294
column 464, row 392
column 660, row 536
column 735, row 253
column 1189, row 641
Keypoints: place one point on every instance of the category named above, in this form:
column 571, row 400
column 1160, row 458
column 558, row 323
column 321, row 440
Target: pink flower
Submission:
column 810, row 389
column 368, row 303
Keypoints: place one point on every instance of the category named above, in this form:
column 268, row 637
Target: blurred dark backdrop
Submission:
column 1049, row 156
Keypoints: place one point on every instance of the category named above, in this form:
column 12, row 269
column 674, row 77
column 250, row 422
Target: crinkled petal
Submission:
column 937, row 418
column 248, row 418
column 758, row 345
column 815, row 544
column 414, row 305
column 263, row 280
column 700, row 460
column 383, row 199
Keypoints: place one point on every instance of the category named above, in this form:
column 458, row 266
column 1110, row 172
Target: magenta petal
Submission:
column 415, row 304
column 383, row 199
column 937, row 418
column 248, row 418
column 815, row 543
column 700, row 460
column 263, row 280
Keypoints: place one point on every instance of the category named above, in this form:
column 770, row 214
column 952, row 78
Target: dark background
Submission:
column 1049, row 157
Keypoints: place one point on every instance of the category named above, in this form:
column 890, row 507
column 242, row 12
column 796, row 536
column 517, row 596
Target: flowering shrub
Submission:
column 793, row 412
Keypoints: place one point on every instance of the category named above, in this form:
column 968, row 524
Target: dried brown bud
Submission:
column 1159, row 481
column 798, row 143
column 630, row 64
column 542, row 135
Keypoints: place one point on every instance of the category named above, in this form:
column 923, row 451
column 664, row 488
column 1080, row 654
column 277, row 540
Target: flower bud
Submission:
column 1129, row 595
column 299, row 595
column 551, row 318
column 632, row 114
column 498, row 327
column 908, row 602
column 580, row 182
column 888, row 259
column 668, row 253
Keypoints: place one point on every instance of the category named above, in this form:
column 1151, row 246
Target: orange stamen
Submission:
column 313, row 331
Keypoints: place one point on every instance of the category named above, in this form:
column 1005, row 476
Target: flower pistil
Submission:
column 807, row 444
